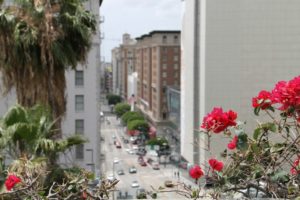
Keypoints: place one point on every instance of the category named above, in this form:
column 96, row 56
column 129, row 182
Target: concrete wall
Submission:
column 245, row 46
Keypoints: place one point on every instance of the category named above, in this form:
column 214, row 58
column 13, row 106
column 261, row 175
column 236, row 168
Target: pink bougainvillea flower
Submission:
column 233, row 143
column 11, row 181
column 287, row 94
column 196, row 172
column 216, row 165
column 263, row 100
column 217, row 121
column 296, row 167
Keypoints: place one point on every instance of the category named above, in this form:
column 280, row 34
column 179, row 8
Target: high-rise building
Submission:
column 231, row 50
column 158, row 66
column 123, row 60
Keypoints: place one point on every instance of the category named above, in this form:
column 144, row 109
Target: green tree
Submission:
column 39, row 40
column 140, row 125
column 27, row 133
column 121, row 109
column 113, row 99
column 130, row 116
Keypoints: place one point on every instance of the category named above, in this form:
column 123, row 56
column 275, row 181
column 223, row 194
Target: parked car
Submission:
column 118, row 145
column 121, row 172
column 183, row 165
column 141, row 193
column 150, row 161
column 111, row 177
column 143, row 163
column 135, row 184
column 132, row 170
column 131, row 151
column 116, row 160
column 126, row 141
column 155, row 166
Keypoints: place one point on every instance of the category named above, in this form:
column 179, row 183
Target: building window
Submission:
column 164, row 74
column 79, row 103
column 164, row 83
column 79, row 129
column 79, row 78
column 176, row 50
column 175, row 65
column 175, row 58
column 79, row 126
column 176, row 39
column 164, row 58
column 176, row 75
column 164, row 39
column 164, row 66
column 165, row 49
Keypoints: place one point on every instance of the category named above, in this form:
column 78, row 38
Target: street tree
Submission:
column 121, row 109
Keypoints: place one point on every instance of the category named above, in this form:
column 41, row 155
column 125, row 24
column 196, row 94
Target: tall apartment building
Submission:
column 82, row 115
column 231, row 50
column 116, row 70
column 123, row 61
column 158, row 66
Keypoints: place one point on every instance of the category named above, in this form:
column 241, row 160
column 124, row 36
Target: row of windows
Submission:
column 165, row 66
column 79, row 106
column 165, row 58
column 175, row 39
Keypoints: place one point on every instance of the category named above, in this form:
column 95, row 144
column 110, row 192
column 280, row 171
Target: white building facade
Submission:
column 230, row 51
column 83, row 97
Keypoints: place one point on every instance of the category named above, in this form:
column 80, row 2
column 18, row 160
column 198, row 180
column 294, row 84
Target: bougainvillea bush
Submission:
column 264, row 163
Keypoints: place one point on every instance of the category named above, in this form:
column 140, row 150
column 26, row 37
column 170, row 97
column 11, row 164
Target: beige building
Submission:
column 158, row 66
column 123, row 63
column 231, row 50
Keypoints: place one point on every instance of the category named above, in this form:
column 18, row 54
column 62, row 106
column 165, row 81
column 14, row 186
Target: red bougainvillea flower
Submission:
column 232, row 144
column 217, row 121
column 11, row 181
column 196, row 172
column 287, row 94
column 216, row 165
column 296, row 167
column 263, row 100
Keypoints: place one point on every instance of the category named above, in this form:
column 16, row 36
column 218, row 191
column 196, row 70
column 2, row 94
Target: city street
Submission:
column 120, row 159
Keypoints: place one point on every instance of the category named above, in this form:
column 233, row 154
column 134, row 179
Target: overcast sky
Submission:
column 136, row 17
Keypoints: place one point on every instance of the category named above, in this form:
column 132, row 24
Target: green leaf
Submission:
column 255, row 148
column 242, row 142
column 281, row 176
column 256, row 110
column 256, row 133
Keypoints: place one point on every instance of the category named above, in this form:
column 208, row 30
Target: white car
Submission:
column 135, row 184
column 111, row 177
column 131, row 151
column 135, row 147
column 116, row 160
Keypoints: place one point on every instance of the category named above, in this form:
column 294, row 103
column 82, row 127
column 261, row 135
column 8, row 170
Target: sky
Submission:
column 136, row 17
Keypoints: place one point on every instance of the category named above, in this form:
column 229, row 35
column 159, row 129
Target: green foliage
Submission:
column 140, row 125
column 29, row 131
column 130, row 116
column 121, row 109
column 113, row 99
column 157, row 141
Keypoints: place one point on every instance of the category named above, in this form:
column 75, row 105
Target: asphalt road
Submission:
column 146, row 176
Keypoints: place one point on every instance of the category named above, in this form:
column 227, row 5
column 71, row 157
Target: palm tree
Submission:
column 39, row 40
column 27, row 132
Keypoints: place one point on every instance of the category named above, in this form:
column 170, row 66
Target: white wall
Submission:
column 249, row 46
